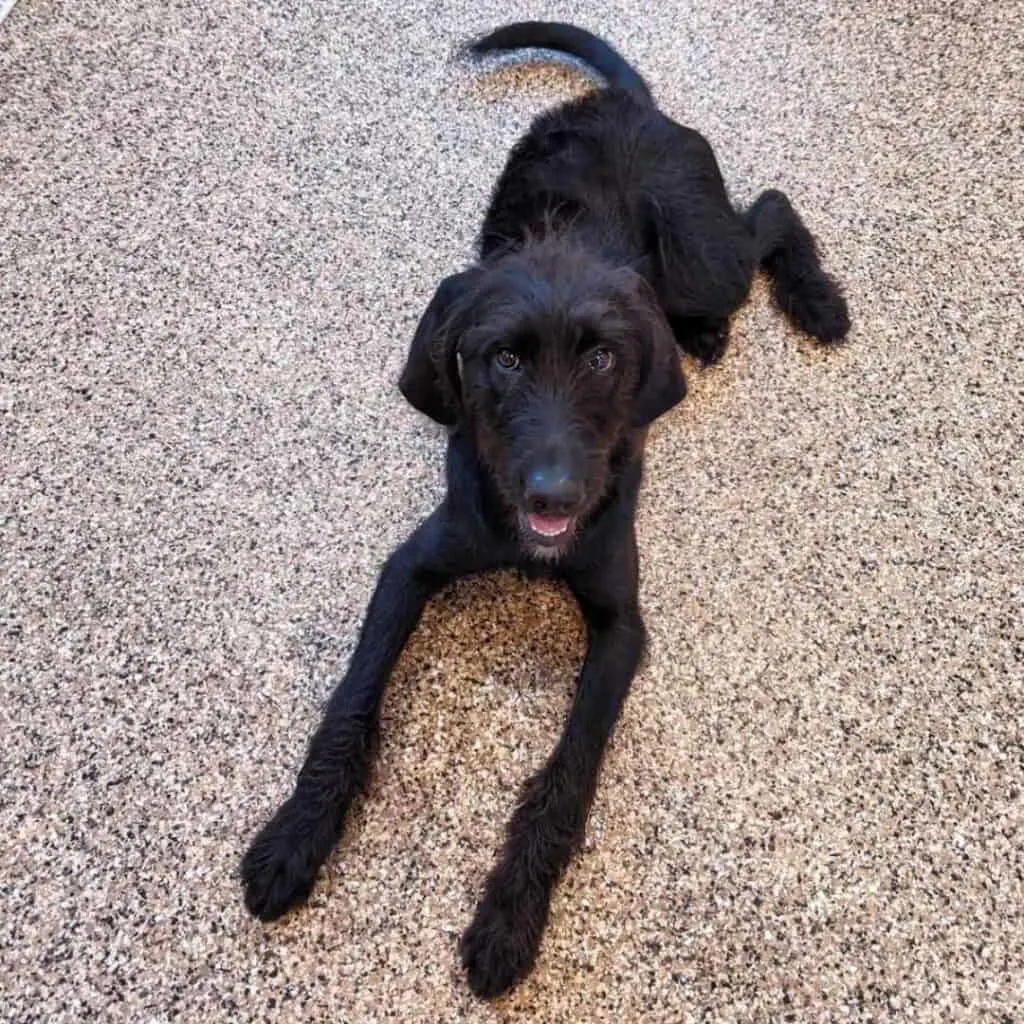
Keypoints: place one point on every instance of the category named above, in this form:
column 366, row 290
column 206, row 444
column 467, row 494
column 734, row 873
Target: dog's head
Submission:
column 552, row 358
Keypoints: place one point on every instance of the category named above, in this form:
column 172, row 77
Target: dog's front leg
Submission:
column 282, row 863
column 499, row 947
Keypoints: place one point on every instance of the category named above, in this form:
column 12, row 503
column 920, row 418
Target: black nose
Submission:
column 552, row 491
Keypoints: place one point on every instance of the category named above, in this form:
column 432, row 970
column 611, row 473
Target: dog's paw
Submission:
column 280, row 868
column 499, row 947
column 820, row 310
column 701, row 337
column 710, row 344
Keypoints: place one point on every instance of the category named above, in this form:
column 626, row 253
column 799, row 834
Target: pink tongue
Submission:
column 549, row 527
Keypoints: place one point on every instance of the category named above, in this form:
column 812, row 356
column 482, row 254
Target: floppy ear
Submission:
column 661, row 384
column 430, row 380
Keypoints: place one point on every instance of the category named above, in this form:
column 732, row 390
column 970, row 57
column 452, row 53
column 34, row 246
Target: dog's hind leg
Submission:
column 786, row 252
column 703, row 337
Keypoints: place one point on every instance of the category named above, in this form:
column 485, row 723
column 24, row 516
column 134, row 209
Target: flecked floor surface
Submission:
column 219, row 223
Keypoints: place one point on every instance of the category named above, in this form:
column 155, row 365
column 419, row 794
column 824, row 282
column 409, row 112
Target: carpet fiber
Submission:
column 219, row 223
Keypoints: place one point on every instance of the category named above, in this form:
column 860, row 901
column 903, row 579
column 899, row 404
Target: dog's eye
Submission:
column 600, row 360
column 507, row 359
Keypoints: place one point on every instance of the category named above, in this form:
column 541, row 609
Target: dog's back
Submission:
column 648, row 191
column 639, row 185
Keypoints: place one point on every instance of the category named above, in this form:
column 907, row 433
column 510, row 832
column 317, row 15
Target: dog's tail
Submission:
column 787, row 253
column 577, row 42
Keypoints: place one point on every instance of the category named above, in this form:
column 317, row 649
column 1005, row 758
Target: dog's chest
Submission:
column 536, row 569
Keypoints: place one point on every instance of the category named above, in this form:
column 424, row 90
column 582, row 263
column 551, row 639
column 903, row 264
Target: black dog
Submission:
column 610, row 239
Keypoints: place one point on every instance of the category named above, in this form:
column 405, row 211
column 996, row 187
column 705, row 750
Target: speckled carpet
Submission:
column 219, row 223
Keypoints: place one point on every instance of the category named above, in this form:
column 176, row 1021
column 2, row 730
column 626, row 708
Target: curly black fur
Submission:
column 609, row 241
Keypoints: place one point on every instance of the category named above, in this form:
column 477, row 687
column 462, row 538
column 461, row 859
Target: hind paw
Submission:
column 821, row 311
column 705, row 339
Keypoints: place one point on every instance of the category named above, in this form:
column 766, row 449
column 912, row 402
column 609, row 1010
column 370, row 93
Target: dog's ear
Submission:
column 660, row 383
column 430, row 380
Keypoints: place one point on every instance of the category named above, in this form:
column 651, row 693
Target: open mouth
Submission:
column 550, row 529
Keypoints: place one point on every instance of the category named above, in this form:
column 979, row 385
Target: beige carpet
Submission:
column 218, row 225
